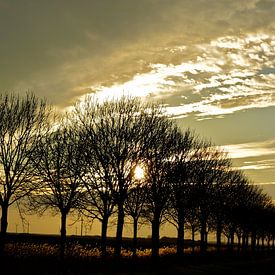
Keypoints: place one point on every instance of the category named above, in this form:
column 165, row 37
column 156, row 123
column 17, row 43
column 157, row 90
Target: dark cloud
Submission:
column 55, row 47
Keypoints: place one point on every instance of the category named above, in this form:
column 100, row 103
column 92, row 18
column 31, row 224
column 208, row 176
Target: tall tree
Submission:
column 58, row 164
column 117, row 132
column 209, row 166
column 98, row 201
column 181, row 185
column 22, row 121
column 159, row 158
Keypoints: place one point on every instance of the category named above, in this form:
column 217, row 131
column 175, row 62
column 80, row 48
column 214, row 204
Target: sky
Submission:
column 210, row 62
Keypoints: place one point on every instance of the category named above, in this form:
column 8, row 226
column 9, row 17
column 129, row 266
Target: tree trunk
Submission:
column 193, row 239
column 243, row 241
column 180, row 240
column 104, row 227
column 119, row 231
column 268, row 242
column 258, row 242
column 63, row 235
column 231, row 239
column 247, row 240
column 239, row 243
column 203, row 236
column 4, row 227
column 155, row 237
column 206, row 240
column 218, row 236
column 253, row 240
column 135, row 237
column 262, row 242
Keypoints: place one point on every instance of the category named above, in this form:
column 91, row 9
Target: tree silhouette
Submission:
column 58, row 164
column 118, row 134
column 134, row 207
column 209, row 166
column 98, row 201
column 180, row 181
column 87, row 162
column 158, row 160
column 22, row 120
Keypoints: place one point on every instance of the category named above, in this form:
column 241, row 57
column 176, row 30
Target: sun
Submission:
column 139, row 173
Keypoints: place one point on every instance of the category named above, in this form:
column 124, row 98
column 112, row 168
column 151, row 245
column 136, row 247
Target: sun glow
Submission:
column 139, row 173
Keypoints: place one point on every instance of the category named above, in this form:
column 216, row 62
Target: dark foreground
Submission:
column 39, row 255
column 211, row 263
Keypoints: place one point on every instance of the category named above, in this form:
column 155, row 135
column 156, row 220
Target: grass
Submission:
column 29, row 254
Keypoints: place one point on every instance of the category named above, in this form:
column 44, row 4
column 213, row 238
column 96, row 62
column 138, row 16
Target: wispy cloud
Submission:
column 256, row 167
column 227, row 76
column 265, row 183
column 156, row 82
column 251, row 149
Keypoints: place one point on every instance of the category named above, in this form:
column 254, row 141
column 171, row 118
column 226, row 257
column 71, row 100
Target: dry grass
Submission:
column 25, row 250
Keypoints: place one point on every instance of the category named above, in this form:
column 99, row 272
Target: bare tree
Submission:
column 209, row 166
column 221, row 196
column 232, row 196
column 181, row 184
column 22, row 120
column 98, row 201
column 249, row 203
column 159, row 158
column 134, row 207
column 117, row 132
column 58, row 164
column 192, row 221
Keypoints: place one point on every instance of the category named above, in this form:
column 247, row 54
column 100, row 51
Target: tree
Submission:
column 233, row 192
column 253, row 201
column 118, row 132
column 22, row 121
column 210, row 165
column 98, row 201
column 158, row 160
column 134, row 207
column 181, row 185
column 58, row 163
column 192, row 221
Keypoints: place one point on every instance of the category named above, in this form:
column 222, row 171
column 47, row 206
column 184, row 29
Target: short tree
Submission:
column 209, row 165
column 134, row 207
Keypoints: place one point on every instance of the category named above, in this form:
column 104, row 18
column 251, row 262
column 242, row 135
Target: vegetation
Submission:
column 22, row 122
column 87, row 162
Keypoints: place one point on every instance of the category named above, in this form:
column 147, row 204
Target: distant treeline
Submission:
column 125, row 158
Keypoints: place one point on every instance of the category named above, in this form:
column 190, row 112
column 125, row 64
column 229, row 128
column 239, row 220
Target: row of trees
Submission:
column 87, row 161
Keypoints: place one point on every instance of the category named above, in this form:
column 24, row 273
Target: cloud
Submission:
column 222, row 79
column 252, row 149
column 154, row 83
column 265, row 183
column 61, row 48
column 256, row 167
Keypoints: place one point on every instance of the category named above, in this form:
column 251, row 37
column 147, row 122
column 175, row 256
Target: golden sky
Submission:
column 211, row 62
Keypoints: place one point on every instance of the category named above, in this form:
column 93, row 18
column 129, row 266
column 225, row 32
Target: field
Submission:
column 37, row 254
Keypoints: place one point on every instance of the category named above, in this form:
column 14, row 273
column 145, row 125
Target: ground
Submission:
column 33, row 255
